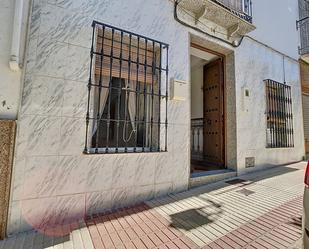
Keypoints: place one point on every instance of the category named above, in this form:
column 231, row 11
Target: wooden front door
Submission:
column 214, row 114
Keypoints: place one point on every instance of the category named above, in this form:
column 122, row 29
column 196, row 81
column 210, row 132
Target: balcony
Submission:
column 235, row 16
column 303, row 26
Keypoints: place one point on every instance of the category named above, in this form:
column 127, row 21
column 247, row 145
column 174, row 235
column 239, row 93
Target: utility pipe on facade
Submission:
column 14, row 62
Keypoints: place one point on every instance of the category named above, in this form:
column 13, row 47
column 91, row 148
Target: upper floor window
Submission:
column 127, row 100
column 303, row 26
column 279, row 115
column 246, row 7
column 241, row 8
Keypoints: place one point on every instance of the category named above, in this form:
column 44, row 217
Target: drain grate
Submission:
column 236, row 181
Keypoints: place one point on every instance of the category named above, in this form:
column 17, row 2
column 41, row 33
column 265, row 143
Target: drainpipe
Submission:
column 14, row 62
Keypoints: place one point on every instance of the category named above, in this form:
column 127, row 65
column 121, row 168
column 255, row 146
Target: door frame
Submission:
column 224, row 130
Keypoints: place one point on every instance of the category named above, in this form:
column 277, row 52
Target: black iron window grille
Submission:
column 127, row 92
column 279, row 114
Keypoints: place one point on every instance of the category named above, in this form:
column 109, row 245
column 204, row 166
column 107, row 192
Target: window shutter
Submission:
column 129, row 69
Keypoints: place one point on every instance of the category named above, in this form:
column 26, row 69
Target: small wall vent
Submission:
column 250, row 162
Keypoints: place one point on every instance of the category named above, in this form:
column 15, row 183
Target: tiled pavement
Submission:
column 137, row 227
column 261, row 211
column 211, row 212
column 279, row 228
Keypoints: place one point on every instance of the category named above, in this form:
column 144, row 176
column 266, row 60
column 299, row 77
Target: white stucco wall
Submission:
column 9, row 81
column 275, row 23
column 197, row 91
column 52, row 180
column 253, row 64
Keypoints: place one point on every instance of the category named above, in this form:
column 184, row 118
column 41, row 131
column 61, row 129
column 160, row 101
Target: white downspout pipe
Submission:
column 14, row 62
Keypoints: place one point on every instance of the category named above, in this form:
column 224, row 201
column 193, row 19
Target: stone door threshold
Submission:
column 203, row 178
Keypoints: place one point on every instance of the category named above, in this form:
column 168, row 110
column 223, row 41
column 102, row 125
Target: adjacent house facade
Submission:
column 125, row 101
column 303, row 26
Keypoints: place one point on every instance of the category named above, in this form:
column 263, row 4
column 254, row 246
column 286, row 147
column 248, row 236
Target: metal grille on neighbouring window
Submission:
column 280, row 132
column 127, row 92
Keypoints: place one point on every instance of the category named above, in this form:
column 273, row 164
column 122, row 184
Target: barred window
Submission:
column 280, row 132
column 127, row 92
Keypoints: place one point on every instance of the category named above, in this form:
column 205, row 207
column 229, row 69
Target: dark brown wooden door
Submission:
column 214, row 114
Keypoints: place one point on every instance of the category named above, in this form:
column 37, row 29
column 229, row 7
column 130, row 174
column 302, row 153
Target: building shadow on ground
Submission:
column 192, row 218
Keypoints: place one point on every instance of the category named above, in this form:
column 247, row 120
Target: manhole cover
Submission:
column 245, row 191
column 236, row 181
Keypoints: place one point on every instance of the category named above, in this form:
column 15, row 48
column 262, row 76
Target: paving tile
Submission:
column 130, row 232
column 101, row 228
column 139, row 244
column 155, row 239
column 214, row 245
column 107, row 241
column 95, row 236
column 169, row 233
column 281, row 237
column 147, row 241
column 197, row 240
column 117, row 226
column 115, row 239
column 129, row 245
column 223, row 244
column 162, row 237
column 265, row 244
column 146, row 229
column 241, row 236
column 180, row 244
column 236, row 240
column 162, row 247
column 171, row 245
column 280, row 241
column 77, row 239
column 272, row 242
column 230, row 242
column 123, row 236
column 69, row 245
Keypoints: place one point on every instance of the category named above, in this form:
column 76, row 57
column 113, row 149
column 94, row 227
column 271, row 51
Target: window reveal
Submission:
column 127, row 93
column 280, row 133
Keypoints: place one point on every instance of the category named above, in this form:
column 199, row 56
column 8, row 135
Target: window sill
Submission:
column 122, row 150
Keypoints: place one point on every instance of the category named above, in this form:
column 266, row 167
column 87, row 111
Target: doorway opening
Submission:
column 207, row 110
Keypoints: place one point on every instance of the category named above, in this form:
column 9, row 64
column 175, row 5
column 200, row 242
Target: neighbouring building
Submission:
column 303, row 26
column 304, row 69
column 125, row 101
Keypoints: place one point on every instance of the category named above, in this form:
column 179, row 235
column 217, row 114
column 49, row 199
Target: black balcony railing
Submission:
column 303, row 26
column 241, row 8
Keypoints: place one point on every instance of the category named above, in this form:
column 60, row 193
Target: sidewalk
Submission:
column 260, row 210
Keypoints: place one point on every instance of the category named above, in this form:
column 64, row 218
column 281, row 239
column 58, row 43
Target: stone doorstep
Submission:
column 199, row 179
